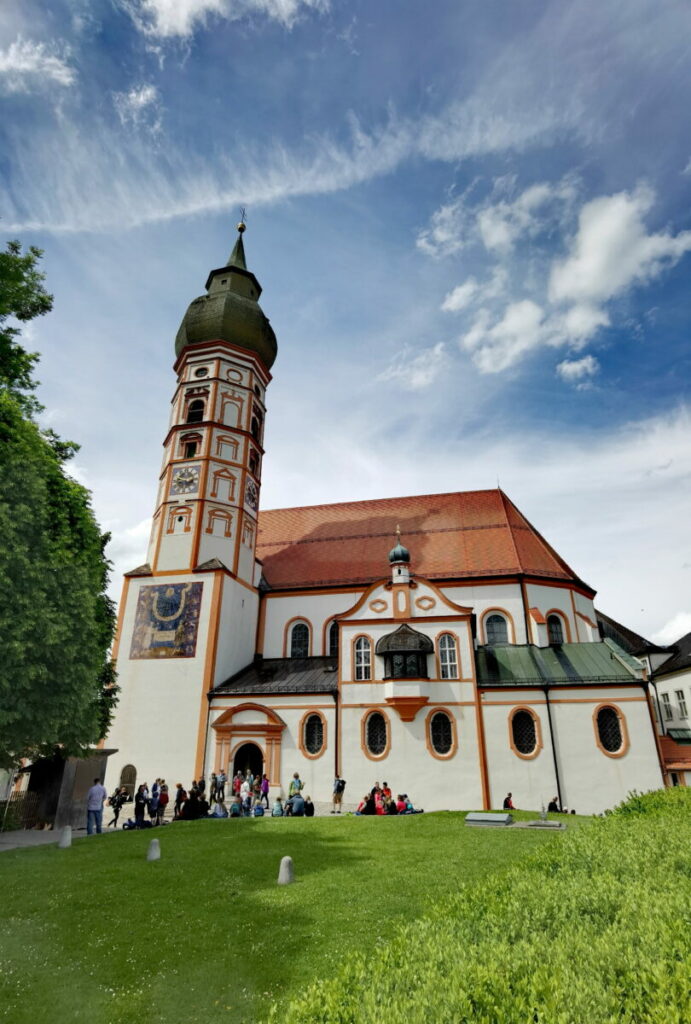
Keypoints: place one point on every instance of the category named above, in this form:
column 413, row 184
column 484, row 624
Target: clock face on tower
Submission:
column 251, row 495
column 185, row 480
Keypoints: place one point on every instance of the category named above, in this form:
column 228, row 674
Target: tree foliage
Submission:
column 57, row 685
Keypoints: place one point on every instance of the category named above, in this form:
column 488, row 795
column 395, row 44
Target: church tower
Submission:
column 188, row 616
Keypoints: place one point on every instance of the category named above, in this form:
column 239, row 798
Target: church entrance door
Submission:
column 248, row 756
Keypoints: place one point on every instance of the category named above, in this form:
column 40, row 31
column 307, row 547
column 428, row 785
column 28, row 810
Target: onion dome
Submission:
column 399, row 553
column 230, row 310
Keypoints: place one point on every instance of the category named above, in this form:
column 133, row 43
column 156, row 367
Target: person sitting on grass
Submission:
column 298, row 805
column 400, row 804
column 390, row 806
column 220, row 810
column 236, row 806
column 277, row 809
column 553, row 806
column 309, row 807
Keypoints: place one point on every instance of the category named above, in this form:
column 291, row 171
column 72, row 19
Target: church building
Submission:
column 437, row 642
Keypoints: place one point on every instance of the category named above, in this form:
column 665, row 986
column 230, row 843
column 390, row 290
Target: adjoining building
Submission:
column 466, row 663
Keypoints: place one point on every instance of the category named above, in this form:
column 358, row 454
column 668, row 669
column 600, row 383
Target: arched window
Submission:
column 524, row 733
column 555, row 629
column 333, row 640
column 496, row 629
column 448, row 656
column 313, row 735
column 363, row 658
column 441, row 733
column 254, row 462
column 609, row 730
column 376, row 734
column 300, row 640
column 128, row 779
column 195, row 411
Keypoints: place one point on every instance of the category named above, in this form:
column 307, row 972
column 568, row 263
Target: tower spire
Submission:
column 237, row 256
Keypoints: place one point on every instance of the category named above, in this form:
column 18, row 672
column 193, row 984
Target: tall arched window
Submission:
column 441, row 733
column 314, row 734
column 300, row 640
column 609, row 730
column 448, row 656
column 363, row 658
column 555, row 629
column 333, row 640
column 524, row 733
column 496, row 629
column 195, row 411
column 376, row 736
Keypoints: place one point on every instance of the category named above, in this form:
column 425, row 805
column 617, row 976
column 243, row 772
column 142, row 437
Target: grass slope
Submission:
column 96, row 933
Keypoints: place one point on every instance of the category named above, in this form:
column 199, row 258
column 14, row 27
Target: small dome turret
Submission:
column 399, row 553
column 230, row 310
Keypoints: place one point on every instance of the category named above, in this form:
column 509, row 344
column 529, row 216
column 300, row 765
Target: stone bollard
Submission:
column 154, row 852
column 286, row 874
column 65, row 840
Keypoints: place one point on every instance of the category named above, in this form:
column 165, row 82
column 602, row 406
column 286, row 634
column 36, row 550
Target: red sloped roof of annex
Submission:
column 467, row 534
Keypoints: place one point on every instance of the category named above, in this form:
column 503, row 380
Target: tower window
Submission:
column 497, row 630
column 609, row 730
column 555, row 629
column 448, row 656
column 376, row 736
column 190, row 449
column 195, row 411
column 257, row 391
column 254, row 462
column 201, row 372
column 300, row 640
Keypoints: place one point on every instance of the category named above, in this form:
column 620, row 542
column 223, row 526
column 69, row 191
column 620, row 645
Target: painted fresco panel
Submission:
column 167, row 620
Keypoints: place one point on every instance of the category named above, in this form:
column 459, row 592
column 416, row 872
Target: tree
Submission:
column 57, row 685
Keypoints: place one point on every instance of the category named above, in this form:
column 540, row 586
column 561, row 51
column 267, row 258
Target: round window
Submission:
column 524, row 733
column 441, row 733
column 376, row 734
column 201, row 372
column 314, row 734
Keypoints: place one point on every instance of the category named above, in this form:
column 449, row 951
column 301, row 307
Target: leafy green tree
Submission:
column 57, row 684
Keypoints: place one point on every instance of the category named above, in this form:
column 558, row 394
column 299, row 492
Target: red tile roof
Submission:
column 675, row 755
column 450, row 536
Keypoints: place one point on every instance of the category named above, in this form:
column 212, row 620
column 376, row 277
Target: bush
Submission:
column 594, row 928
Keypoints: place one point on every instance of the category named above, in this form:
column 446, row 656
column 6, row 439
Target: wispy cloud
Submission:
column 27, row 66
column 416, row 371
column 170, row 19
column 677, row 627
column 140, row 106
column 578, row 371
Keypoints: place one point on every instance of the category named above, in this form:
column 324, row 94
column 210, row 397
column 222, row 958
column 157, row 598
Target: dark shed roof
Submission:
column 283, row 675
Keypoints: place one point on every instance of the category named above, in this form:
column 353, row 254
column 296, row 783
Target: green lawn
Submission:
column 96, row 933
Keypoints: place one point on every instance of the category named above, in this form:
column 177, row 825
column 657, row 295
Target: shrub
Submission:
column 594, row 928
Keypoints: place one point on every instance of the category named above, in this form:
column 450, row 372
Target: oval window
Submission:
column 609, row 730
column 441, row 733
column 376, row 734
column 314, row 734
column 524, row 733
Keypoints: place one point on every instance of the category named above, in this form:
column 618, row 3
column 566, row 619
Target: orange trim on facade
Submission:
column 593, row 625
column 379, row 709
column 538, row 732
column 121, row 615
column 301, row 735
column 209, row 667
column 286, row 631
column 406, row 707
column 625, row 742
column 454, row 733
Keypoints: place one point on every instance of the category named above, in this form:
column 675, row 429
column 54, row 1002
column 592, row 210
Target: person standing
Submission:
column 264, row 790
column 256, row 791
column 140, row 804
column 295, row 785
column 221, row 786
column 212, row 787
column 337, row 798
column 180, row 797
column 163, row 798
column 94, row 807
column 116, row 801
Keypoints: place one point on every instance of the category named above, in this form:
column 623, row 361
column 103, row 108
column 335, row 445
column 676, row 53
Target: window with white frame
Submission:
column 667, row 712
column 300, row 640
column 496, row 629
column 681, row 703
column 448, row 656
column 363, row 658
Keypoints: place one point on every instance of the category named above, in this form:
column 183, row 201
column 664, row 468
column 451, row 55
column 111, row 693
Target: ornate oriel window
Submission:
column 376, row 736
column 448, row 656
column 300, row 640
column 333, row 640
column 609, row 730
column 363, row 658
column 405, row 653
column 524, row 733
column 313, row 737
column 496, row 630
column 441, row 733
column 555, row 629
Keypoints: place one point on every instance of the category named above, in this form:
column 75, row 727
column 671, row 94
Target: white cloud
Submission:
column 677, row 627
column 578, row 371
column 415, row 372
column 461, row 296
column 612, row 250
column 519, row 330
column 140, row 106
column 26, row 66
column 169, row 19
column 444, row 236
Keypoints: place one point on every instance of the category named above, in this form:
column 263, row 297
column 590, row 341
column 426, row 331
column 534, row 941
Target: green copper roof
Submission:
column 230, row 311
column 578, row 664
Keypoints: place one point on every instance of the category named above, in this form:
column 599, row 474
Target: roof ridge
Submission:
column 378, row 501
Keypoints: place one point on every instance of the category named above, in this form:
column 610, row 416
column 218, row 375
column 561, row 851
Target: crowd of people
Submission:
column 380, row 800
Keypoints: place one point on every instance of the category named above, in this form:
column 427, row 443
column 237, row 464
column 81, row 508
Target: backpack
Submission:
column 259, row 811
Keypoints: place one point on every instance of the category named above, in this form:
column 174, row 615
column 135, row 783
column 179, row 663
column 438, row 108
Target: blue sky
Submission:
column 471, row 222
